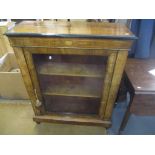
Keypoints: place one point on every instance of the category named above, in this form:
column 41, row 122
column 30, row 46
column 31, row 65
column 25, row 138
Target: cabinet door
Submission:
column 68, row 81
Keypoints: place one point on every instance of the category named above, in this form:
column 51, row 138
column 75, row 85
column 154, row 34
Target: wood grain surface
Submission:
column 71, row 29
column 89, row 61
column 141, row 73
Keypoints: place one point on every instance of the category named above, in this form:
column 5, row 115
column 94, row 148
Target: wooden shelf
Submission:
column 75, row 90
column 71, row 69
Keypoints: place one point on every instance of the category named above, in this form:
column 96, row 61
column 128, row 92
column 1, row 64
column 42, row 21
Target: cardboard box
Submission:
column 4, row 42
column 11, row 82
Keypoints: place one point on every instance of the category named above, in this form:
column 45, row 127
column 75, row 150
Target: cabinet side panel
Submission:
column 117, row 75
column 107, row 82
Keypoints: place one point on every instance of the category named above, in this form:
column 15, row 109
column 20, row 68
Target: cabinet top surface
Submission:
column 141, row 73
column 71, row 29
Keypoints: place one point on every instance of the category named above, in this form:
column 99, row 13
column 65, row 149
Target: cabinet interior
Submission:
column 71, row 84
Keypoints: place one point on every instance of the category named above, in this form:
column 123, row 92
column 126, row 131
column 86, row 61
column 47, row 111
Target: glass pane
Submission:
column 71, row 83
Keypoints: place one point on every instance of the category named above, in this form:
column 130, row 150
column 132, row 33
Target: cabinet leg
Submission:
column 125, row 120
column 126, row 115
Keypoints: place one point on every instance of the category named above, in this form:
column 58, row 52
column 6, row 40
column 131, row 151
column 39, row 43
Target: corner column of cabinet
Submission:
column 115, row 82
column 26, row 78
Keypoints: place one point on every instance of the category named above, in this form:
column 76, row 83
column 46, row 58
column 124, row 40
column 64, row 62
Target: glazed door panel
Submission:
column 67, row 83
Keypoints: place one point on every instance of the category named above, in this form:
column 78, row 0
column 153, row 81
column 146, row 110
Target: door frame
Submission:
column 111, row 54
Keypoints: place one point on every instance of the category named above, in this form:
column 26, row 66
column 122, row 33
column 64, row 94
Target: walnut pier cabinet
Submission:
column 72, row 70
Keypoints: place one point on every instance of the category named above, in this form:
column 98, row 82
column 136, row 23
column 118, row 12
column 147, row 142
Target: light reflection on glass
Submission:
column 152, row 72
column 50, row 57
column 139, row 87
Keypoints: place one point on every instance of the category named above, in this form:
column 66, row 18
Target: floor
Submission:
column 137, row 125
column 16, row 119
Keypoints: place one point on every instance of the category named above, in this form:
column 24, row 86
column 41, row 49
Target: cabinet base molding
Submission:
column 80, row 120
